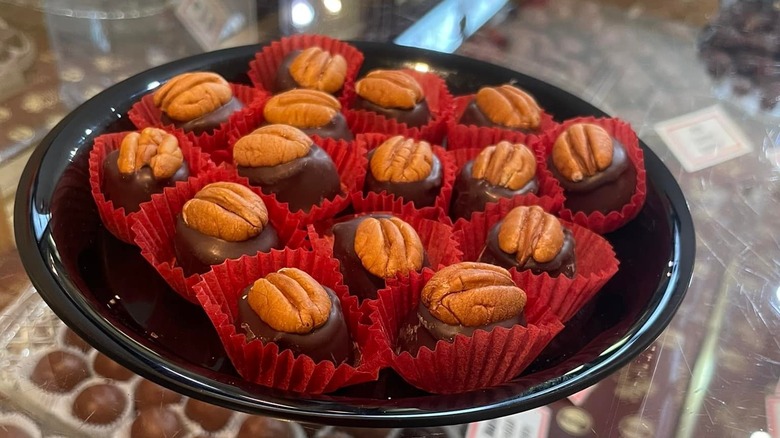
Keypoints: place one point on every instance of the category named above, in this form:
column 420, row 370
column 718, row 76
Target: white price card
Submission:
column 530, row 424
column 703, row 138
column 204, row 20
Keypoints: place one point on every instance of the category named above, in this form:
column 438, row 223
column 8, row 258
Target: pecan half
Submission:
column 509, row 106
column 302, row 108
column 191, row 95
column 271, row 145
column 583, row 149
column 151, row 147
column 401, row 160
column 290, row 301
column 317, row 69
column 388, row 246
column 390, row 89
column 472, row 294
column 531, row 232
column 505, row 165
column 226, row 210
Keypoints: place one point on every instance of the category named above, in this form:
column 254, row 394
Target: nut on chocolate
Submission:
column 271, row 145
column 390, row 89
column 226, row 210
column 191, row 95
column 402, row 160
column 582, row 150
column 505, row 165
column 151, row 147
column 531, row 232
column 302, row 108
column 317, row 69
column 472, row 294
column 290, row 301
column 509, row 106
column 387, row 247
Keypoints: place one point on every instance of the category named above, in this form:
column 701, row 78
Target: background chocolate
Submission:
column 59, row 371
column 564, row 263
column 211, row 418
column 150, row 395
column 99, row 404
column 418, row 116
column 355, row 432
column 264, row 427
column 129, row 191
column 11, row 431
column 474, row 116
column 156, row 423
column 606, row 191
column 106, row 367
column 303, row 182
column 207, row 122
column 331, row 341
column 422, row 193
column 72, row 339
column 470, row 194
column 196, row 252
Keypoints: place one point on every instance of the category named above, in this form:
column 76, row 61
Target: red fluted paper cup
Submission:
column 485, row 359
column 117, row 220
column 155, row 227
column 622, row 132
column 264, row 363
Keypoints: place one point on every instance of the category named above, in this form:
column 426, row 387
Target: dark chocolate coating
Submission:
column 330, row 341
column 472, row 115
column 75, row 341
column 421, row 193
column 470, row 194
column 421, row 329
column 211, row 418
column 11, row 431
column 99, row 404
column 418, row 116
column 207, row 122
column 156, row 423
column 151, row 395
column 106, row 367
column 196, row 252
column 360, row 282
column 59, row 371
column 303, row 182
column 129, row 191
column 564, row 263
column 605, row 191
column 336, row 129
column 264, row 427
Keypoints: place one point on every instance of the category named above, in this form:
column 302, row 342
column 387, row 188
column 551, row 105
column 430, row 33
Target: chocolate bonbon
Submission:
column 59, row 371
column 99, row 404
column 159, row 422
column 106, row 367
column 210, row 417
column 311, row 111
column 505, row 106
column 264, row 427
column 149, row 395
column 196, row 102
column 312, row 68
column 393, row 94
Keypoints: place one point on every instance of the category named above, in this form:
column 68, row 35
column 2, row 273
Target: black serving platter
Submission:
column 107, row 293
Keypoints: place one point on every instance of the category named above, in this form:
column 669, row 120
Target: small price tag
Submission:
column 703, row 138
column 204, row 20
column 530, row 424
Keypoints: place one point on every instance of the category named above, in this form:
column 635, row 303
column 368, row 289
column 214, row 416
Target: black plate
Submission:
column 107, row 293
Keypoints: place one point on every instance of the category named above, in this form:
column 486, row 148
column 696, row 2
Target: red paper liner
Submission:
column 155, row 227
column 439, row 102
column 371, row 201
column 114, row 219
column 550, row 193
column 613, row 220
column 263, row 68
column 461, row 136
column 263, row 364
column 595, row 261
column 480, row 361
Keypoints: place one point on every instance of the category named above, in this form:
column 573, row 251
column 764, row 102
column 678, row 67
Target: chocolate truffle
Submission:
column 144, row 164
column 106, row 367
column 284, row 161
column 196, row 102
column 292, row 309
column 71, row 339
column 375, row 247
column 459, row 300
column 156, row 423
column 405, row 168
column 264, row 427
column 211, row 418
column 59, row 371
column 223, row 221
column 505, row 107
column 13, row 431
column 395, row 95
column 501, row 171
column 99, row 404
column 312, row 68
column 150, row 395
column 311, row 111
column 530, row 238
column 593, row 168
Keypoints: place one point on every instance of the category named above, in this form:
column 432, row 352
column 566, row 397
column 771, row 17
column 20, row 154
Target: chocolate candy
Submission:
column 506, row 107
column 196, row 102
column 312, row 68
column 355, row 432
column 211, row 418
column 150, row 395
column 12, row 431
column 72, row 339
column 206, row 123
column 393, row 94
column 311, row 111
column 99, row 404
column 418, row 116
column 264, row 427
column 405, row 168
column 59, row 371
column 156, row 423
column 106, row 367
